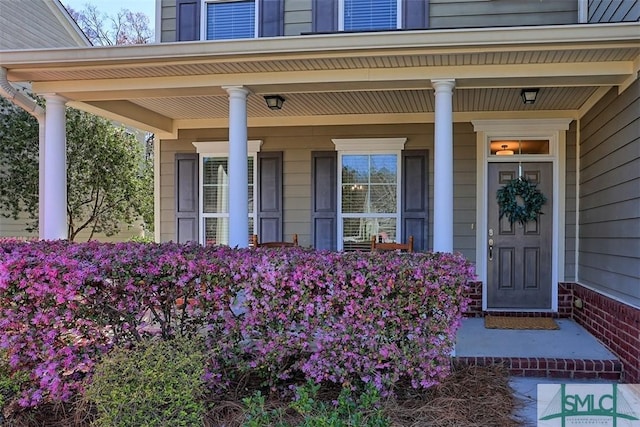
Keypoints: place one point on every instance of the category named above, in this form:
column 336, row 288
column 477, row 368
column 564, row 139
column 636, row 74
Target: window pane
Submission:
column 213, row 168
column 355, row 169
column 215, row 199
column 357, row 232
column 230, row 20
column 384, row 168
column 215, row 187
column 355, row 198
column 362, row 15
column 383, row 199
column 216, row 231
column 510, row 147
column 369, row 183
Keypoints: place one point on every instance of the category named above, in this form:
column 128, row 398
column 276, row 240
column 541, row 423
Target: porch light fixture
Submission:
column 504, row 151
column 529, row 95
column 274, row 102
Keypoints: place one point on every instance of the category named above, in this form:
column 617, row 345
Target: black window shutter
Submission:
column 324, row 200
column 188, row 20
column 271, row 18
column 187, row 187
column 325, row 16
column 415, row 197
column 269, row 196
column 416, row 14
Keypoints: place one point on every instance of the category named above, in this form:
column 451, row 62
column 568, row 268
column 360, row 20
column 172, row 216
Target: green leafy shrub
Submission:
column 10, row 383
column 146, row 238
column 347, row 411
column 158, row 383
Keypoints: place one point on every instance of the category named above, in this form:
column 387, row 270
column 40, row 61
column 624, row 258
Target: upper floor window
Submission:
column 366, row 15
column 230, row 19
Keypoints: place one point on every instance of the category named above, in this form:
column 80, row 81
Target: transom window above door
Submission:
column 230, row 19
column 368, row 15
column 510, row 147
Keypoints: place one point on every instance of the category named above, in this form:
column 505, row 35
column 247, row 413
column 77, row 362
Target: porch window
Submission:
column 215, row 199
column 214, row 190
column 230, row 19
column 367, row 15
column 369, row 197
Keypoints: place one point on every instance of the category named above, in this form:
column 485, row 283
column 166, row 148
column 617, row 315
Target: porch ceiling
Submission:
column 339, row 78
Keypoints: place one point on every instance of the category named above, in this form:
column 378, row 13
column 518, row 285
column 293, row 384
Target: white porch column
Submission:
column 443, row 167
column 41, row 147
column 54, row 184
column 238, row 180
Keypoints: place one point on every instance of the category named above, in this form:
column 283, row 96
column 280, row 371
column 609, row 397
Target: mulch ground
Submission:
column 472, row 396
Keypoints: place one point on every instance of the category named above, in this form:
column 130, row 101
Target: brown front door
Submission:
column 519, row 256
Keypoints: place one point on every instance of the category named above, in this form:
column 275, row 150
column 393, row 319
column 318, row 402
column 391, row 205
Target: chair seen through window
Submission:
column 377, row 245
column 256, row 243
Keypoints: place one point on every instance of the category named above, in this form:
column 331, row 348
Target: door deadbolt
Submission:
column 491, row 249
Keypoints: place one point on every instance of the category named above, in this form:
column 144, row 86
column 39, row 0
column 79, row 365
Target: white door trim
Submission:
column 555, row 131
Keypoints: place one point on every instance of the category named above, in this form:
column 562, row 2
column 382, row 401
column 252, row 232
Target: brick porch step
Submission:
column 550, row 367
column 568, row 352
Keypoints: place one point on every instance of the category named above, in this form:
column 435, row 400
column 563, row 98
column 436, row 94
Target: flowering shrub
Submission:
column 376, row 317
column 339, row 317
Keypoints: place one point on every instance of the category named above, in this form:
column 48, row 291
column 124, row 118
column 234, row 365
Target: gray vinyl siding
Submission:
column 47, row 26
column 609, row 251
column 443, row 14
column 464, row 190
column 570, row 205
column 613, row 11
column 297, row 144
column 498, row 13
column 168, row 22
column 297, row 17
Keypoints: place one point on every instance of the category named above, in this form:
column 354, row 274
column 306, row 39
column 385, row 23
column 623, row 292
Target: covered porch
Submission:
column 441, row 104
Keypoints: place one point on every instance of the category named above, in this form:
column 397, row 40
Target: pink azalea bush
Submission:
column 337, row 317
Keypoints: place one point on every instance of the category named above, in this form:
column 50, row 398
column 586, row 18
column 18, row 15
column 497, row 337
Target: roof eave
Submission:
column 472, row 40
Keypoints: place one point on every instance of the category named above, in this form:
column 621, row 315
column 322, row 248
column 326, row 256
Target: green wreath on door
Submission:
column 509, row 203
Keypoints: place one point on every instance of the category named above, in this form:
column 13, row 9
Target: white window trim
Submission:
column 555, row 131
column 221, row 149
column 203, row 18
column 368, row 146
column 341, row 14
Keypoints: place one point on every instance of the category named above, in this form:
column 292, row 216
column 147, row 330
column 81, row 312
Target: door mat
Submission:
column 509, row 322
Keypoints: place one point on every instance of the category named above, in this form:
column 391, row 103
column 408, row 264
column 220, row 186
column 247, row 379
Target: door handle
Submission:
column 490, row 249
